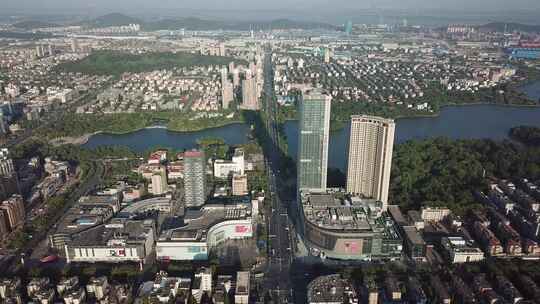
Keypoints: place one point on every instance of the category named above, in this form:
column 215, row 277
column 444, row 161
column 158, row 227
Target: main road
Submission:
column 277, row 278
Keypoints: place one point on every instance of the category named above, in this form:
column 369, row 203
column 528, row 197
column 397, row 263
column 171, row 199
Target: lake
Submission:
column 142, row 140
column 532, row 90
column 457, row 122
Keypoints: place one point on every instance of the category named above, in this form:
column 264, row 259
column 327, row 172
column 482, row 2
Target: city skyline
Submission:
column 150, row 153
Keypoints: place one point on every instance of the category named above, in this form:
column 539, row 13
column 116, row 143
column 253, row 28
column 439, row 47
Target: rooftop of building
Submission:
column 413, row 235
column 118, row 232
column 197, row 222
column 331, row 288
column 371, row 119
column 338, row 212
column 242, row 282
column 460, row 245
column 193, row 153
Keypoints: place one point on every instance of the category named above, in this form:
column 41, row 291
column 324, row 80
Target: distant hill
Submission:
column 32, row 24
column 196, row 24
column 114, row 19
column 510, row 27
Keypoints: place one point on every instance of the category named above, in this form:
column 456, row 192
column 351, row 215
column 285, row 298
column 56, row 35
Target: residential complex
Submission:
column 370, row 157
column 194, row 178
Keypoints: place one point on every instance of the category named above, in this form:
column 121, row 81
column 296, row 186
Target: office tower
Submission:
column 370, row 157
column 236, row 77
column 327, row 55
column 250, row 101
column 194, row 178
column 239, row 185
column 348, row 27
column 222, row 51
column 227, row 89
column 13, row 209
column 74, row 45
column 159, row 183
column 313, row 141
column 253, row 68
column 39, row 51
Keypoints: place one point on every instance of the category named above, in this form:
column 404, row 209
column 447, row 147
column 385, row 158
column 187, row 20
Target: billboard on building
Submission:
column 121, row 252
column 242, row 229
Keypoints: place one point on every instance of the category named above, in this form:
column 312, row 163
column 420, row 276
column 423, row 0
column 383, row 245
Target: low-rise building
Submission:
column 392, row 289
column 98, row 287
column 241, row 294
column 10, row 290
column 203, row 230
column 460, row 251
column 90, row 211
column 415, row 293
column 166, row 289
column 40, row 291
column 222, row 290
column 442, row 294
column 414, row 244
column 347, row 228
column 510, row 293
column 434, row 214
column 225, row 168
column 202, row 284
column 120, row 240
column 331, row 289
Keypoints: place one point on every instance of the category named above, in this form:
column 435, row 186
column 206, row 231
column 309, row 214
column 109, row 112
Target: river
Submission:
column 458, row 122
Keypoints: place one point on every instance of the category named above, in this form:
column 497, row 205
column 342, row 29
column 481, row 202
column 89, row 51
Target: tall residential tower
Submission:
column 313, row 141
column 370, row 157
column 194, row 178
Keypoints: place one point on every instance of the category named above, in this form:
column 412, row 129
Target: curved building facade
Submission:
column 207, row 230
column 348, row 229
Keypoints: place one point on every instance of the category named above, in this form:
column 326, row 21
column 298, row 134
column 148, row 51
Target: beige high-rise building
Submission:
column 159, row 183
column 370, row 157
column 250, row 101
column 13, row 209
column 227, row 89
column 239, row 185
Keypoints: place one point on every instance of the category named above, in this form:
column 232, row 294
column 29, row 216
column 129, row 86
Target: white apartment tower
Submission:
column 370, row 157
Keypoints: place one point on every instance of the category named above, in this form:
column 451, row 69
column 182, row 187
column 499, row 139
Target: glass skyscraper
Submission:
column 313, row 133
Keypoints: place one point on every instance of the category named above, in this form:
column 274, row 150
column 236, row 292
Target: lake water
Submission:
column 142, row 140
column 459, row 122
column 532, row 90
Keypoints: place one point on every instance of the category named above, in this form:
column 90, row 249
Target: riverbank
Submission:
column 72, row 140
column 75, row 128
column 337, row 125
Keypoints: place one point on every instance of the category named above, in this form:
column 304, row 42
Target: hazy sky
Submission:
column 133, row 5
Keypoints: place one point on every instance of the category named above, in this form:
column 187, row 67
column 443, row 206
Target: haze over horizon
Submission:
column 490, row 5
column 316, row 7
column 417, row 12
